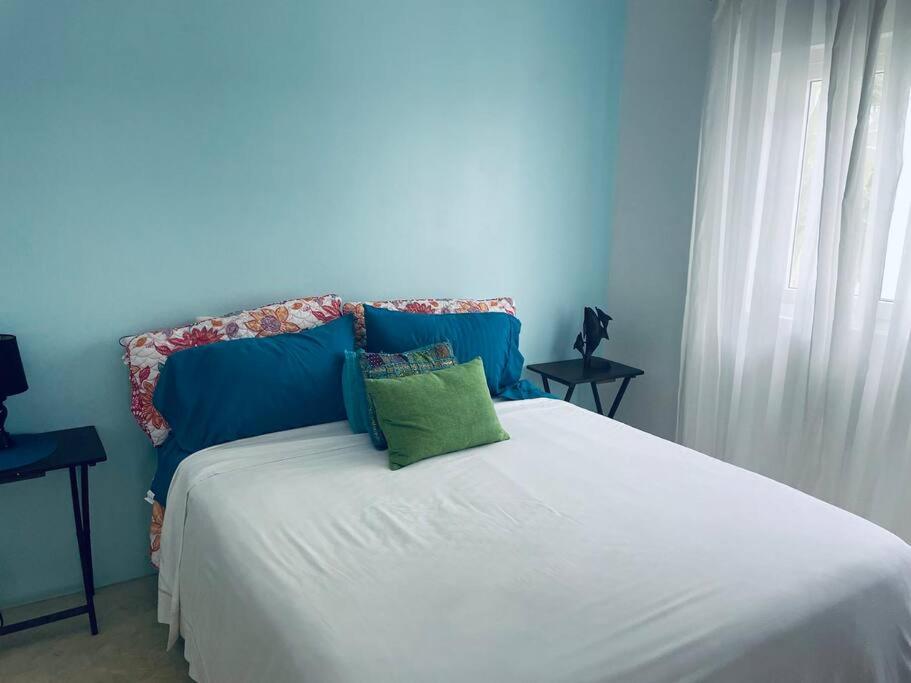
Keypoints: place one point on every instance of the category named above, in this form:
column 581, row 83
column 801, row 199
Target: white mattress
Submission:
column 579, row 550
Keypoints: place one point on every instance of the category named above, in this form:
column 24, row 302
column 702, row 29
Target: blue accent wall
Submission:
column 164, row 160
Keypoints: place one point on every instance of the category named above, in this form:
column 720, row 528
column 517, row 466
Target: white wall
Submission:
column 665, row 66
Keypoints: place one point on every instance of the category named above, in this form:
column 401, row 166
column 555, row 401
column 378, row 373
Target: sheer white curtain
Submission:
column 796, row 360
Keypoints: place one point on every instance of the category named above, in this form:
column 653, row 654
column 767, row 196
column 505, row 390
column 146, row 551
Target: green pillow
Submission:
column 435, row 412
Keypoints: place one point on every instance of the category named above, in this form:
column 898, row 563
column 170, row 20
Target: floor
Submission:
column 130, row 645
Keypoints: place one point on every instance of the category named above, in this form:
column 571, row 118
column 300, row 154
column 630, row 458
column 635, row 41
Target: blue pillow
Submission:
column 355, row 394
column 246, row 387
column 492, row 336
column 170, row 455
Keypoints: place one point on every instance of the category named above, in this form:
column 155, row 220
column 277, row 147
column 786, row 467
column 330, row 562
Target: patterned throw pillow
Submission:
column 500, row 305
column 384, row 365
column 144, row 354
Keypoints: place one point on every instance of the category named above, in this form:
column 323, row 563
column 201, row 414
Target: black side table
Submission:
column 76, row 448
column 572, row 372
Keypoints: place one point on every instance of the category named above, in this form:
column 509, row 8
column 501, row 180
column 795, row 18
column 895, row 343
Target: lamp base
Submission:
column 6, row 441
column 28, row 448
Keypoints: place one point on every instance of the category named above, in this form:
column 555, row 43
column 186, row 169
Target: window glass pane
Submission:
column 901, row 215
column 812, row 139
column 814, row 127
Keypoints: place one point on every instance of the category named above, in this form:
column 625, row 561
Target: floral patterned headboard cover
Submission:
column 145, row 354
column 502, row 304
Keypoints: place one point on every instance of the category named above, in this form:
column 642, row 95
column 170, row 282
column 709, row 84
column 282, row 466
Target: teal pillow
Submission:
column 435, row 412
column 380, row 365
column 246, row 387
column 354, row 394
column 492, row 337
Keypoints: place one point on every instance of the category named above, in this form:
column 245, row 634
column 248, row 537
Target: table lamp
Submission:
column 12, row 381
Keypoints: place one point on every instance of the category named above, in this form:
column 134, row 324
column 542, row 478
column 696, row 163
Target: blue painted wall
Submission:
column 162, row 160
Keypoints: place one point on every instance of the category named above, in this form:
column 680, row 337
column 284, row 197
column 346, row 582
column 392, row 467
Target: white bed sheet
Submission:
column 579, row 550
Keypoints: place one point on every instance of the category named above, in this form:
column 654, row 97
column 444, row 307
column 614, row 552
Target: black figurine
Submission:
column 594, row 329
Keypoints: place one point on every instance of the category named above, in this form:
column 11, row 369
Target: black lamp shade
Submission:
column 12, row 374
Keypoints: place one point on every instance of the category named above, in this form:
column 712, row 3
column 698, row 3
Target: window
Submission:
column 900, row 219
column 811, row 166
column 808, row 166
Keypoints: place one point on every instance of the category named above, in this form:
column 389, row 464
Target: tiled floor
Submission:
column 129, row 647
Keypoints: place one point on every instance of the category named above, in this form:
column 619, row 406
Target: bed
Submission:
column 579, row 550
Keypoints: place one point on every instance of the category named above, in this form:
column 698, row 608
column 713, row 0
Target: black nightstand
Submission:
column 76, row 448
column 572, row 372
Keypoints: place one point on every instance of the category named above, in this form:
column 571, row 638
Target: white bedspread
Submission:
column 579, row 550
